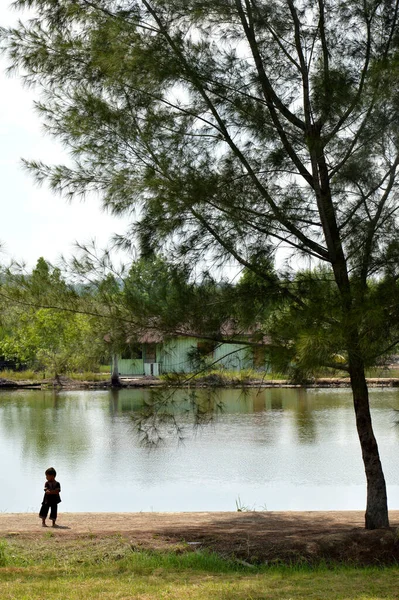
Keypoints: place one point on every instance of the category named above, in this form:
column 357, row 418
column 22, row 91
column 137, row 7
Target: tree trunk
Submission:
column 377, row 506
column 115, row 380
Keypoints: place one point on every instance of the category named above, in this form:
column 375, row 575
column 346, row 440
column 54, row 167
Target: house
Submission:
column 153, row 353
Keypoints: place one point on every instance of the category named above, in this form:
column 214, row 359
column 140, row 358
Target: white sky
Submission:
column 35, row 222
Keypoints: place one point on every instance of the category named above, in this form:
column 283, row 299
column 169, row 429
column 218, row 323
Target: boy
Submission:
column 51, row 498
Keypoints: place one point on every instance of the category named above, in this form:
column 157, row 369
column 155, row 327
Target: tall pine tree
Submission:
column 233, row 126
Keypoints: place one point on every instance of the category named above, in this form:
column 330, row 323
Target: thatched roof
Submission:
column 228, row 332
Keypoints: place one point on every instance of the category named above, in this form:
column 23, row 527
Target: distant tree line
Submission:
column 74, row 320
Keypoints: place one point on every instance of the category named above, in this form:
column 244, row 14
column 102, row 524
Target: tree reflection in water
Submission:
column 40, row 421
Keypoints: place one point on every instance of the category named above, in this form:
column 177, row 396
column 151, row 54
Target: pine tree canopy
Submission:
column 226, row 126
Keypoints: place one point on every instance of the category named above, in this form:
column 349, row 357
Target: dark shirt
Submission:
column 52, row 498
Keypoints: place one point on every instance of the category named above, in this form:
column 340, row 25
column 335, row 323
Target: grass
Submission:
column 379, row 372
column 21, row 375
column 223, row 377
column 243, row 376
column 102, row 375
column 89, row 376
column 114, row 568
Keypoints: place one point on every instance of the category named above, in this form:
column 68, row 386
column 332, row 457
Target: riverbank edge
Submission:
column 153, row 382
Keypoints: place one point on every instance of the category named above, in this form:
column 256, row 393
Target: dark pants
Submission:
column 44, row 511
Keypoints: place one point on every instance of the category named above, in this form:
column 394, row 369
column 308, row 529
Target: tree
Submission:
column 308, row 334
column 157, row 290
column 167, row 298
column 51, row 341
column 234, row 126
column 42, row 325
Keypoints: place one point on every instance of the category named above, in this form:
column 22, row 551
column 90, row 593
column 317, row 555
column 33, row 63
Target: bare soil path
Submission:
column 250, row 536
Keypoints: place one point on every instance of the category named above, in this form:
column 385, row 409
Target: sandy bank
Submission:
column 252, row 536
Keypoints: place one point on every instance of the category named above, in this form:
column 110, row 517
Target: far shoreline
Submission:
column 64, row 383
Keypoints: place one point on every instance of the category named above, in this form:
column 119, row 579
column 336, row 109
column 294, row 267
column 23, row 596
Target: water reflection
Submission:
column 305, row 419
column 39, row 420
column 286, row 448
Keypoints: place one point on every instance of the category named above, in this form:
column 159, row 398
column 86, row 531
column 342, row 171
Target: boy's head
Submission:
column 50, row 474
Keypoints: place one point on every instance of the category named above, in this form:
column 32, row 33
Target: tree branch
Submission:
column 304, row 68
column 359, row 92
column 319, row 250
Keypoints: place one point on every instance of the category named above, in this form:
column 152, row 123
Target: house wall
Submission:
column 130, row 366
column 233, row 357
column 174, row 355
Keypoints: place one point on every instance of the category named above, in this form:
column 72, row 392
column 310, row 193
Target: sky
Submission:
column 34, row 221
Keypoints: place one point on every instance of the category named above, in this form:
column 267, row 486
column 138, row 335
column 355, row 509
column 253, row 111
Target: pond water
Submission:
column 277, row 449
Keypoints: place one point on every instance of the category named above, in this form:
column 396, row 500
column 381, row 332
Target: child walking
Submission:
column 51, row 497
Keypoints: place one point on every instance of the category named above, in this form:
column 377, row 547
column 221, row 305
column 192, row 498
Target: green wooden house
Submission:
column 154, row 355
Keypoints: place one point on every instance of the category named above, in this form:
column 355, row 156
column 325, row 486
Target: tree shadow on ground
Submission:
column 272, row 537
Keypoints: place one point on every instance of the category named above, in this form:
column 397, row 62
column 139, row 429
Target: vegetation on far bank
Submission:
column 212, row 378
column 225, row 377
column 52, row 325
column 39, row 376
column 221, row 377
column 114, row 568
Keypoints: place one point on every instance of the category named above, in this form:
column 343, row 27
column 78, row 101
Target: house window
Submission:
column 133, row 351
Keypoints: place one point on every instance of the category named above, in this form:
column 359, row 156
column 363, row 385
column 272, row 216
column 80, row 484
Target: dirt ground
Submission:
column 249, row 536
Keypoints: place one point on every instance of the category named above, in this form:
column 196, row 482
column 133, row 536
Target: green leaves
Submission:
column 44, row 324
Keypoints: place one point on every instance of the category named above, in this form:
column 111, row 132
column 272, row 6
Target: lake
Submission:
column 274, row 449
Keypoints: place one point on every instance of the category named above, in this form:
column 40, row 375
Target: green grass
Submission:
column 216, row 376
column 29, row 375
column 88, row 376
column 379, row 372
column 113, row 568
column 226, row 377
column 223, row 377
column 246, row 375
column 21, row 375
